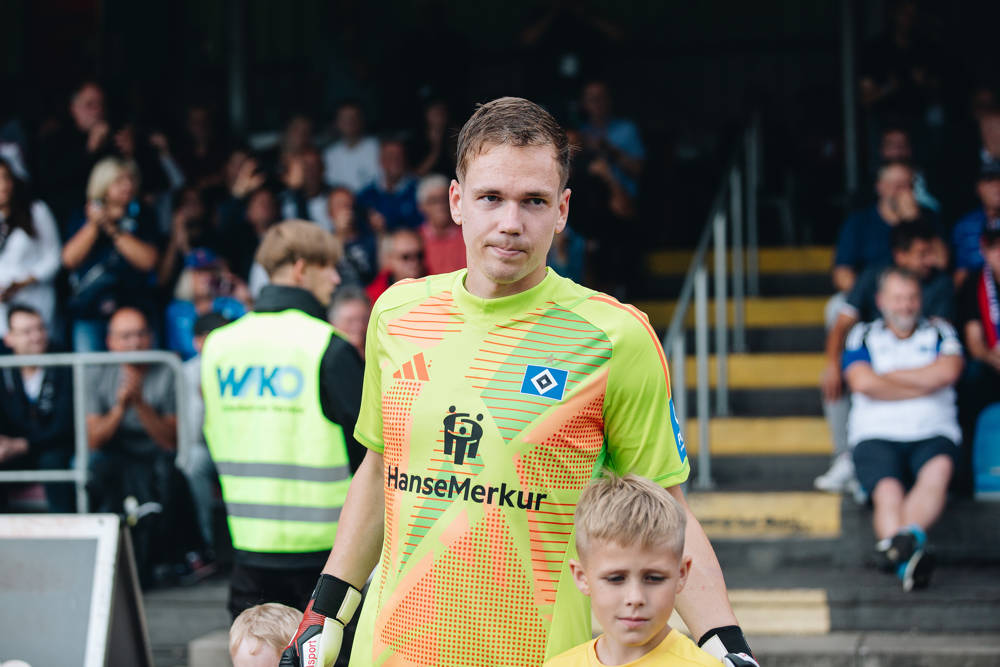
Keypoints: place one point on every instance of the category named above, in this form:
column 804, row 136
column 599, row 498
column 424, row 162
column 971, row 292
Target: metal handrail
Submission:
column 78, row 360
column 728, row 206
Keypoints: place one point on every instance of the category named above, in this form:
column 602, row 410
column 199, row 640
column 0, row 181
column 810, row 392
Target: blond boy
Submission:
column 630, row 540
column 259, row 634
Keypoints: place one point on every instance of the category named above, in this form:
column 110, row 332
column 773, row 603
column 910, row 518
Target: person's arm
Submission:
column 161, row 428
column 136, row 252
column 943, row 372
column 843, row 278
column 832, row 378
column 80, row 244
column 101, row 428
column 47, row 234
column 703, row 604
column 863, row 379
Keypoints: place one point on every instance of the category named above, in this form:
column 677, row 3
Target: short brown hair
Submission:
column 292, row 240
column 271, row 623
column 627, row 511
column 512, row 121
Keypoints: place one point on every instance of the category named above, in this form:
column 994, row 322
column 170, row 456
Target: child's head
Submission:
column 630, row 540
column 259, row 635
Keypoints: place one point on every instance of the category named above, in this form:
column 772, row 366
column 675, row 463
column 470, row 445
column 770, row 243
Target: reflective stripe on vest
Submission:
column 282, row 464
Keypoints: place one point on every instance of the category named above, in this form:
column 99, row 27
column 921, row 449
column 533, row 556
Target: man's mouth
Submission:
column 632, row 622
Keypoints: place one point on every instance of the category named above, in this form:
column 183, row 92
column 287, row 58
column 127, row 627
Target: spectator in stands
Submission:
column 912, row 250
column 568, row 254
column 305, row 195
column 614, row 139
column 205, row 286
column 903, row 423
column 110, row 253
column 436, row 149
column 244, row 230
column 390, row 201
column 36, row 408
column 200, row 153
column 402, row 255
column 989, row 132
column 29, row 250
column 68, row 155
column 444, row 246
column 132, row 432
column 190, row 228
column 349, row 313
column 198, row 466
column 897, row 147
column 359, row 262
column 968, row 231
column 297, row 137
column 352, row 161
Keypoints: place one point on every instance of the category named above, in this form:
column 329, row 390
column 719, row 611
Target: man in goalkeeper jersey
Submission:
column 492, row 396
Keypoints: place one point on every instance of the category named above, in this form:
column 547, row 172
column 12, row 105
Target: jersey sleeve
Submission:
column 855, row 347
column 641, row 428
column 948, row 343
column 368, row 429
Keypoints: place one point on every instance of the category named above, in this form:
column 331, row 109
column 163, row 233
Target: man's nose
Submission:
column 510, row 218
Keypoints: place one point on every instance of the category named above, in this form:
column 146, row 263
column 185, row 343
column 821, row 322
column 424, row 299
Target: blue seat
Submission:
column 986, row 453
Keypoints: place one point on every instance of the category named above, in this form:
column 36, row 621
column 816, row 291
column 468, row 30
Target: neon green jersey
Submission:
column 492, row 415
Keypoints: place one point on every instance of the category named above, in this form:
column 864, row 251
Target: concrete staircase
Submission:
column 797, row 562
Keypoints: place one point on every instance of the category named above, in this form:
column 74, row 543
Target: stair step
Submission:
column 807, row 259
column 772, row 339
column 878, row 649
column 764, row 371
column 767, row 514
column 778, row 284
column 734, row 436
column 754, row 472
column 781, row 402
column 760, row 312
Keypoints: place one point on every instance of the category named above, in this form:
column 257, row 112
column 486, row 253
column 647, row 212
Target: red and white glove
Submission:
column 728, row 645
column 321, row 632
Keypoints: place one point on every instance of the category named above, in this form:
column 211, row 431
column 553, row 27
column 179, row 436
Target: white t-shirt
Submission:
column 353, row 167
column 910, row 419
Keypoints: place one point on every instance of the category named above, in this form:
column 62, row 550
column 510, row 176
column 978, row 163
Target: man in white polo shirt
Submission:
column 903, row 423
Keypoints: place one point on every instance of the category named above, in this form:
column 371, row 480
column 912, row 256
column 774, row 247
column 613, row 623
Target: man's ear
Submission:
column 579, row 576
column 455, row 201
column 682, row 573
column 298, row 271
column 563, row 209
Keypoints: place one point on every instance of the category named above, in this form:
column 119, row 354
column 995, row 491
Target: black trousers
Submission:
column 251, row 586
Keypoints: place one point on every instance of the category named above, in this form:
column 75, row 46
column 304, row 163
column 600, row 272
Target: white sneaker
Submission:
column 839, row 477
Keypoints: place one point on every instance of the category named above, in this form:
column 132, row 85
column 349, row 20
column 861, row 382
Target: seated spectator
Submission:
column 244, row 230
column 110, row 253
column 402, row 256
column 897, row 147
column 436, row 149
column 205, row 286
column 968, row 231
column 444, row 246
column 350, row 311
column 36, row 409
column 200, row 153
column 351, row 161
column 616, row 140
column 989, row 132
column 29, row 250
column 190, row 228
column 390, row 201
column 903, row 424
column 132, row 433
column 260, row 634
column 911, row 250
column 359, row 263
column 198, row 466
column 305, row 195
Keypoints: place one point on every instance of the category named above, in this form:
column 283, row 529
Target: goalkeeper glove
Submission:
column 728, row 645
column 321, row 632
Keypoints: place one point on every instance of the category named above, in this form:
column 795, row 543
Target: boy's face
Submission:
column 632, row 591
column 252, row 652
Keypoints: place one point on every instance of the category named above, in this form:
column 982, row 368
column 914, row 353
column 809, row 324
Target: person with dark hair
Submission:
column 353, row 160
column 896, row 146
column 349, row 313
column 36, row 408
column 967, row 233
column 29, row 250
column 305, row 194
column 492, row 396
column 615, row 140
column 912, row 250
column 390, row 201
column 402, row 255
column 435, row 149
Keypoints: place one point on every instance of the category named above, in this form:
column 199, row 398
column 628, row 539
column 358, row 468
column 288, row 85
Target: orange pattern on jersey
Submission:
column 414, row 369
column 454, row 597
column 397, row 419
column 429, row 322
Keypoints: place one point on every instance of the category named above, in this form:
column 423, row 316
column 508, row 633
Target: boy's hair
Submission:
column 627, row 511
column 292, row 240
column 272, row 623
column 512, row 121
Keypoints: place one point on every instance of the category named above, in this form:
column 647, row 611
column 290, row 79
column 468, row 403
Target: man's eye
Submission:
column 490, row 198
column 614, row 579
column 536, row 201
column 655, row 578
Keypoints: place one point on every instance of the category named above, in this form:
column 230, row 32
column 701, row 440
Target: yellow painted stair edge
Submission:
column 809, row 259
column 760, row 312
column 764, row 371
column 782, row 611
column 737, row 436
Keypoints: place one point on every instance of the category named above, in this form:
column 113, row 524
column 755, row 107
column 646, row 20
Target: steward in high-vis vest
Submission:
column 282, row 391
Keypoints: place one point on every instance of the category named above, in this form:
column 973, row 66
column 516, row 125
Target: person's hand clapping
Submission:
column 248, row 179
column 295, row 173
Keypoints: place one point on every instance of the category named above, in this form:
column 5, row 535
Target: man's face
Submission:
column 27, row 334
column 349, row 122
column 392, row 159
column 341, row 208
column 894, row 182
column 919, row 258
column 128, row 332
column 596, row 101
column 899, row 302
column 351, row 318
column 990, row 249
column 989, row 193
column 509, row 205
column 87, row 107
column 896, row 146
column 434, row 208
column 320, row 281
column 407, row 258
column 632, row 590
